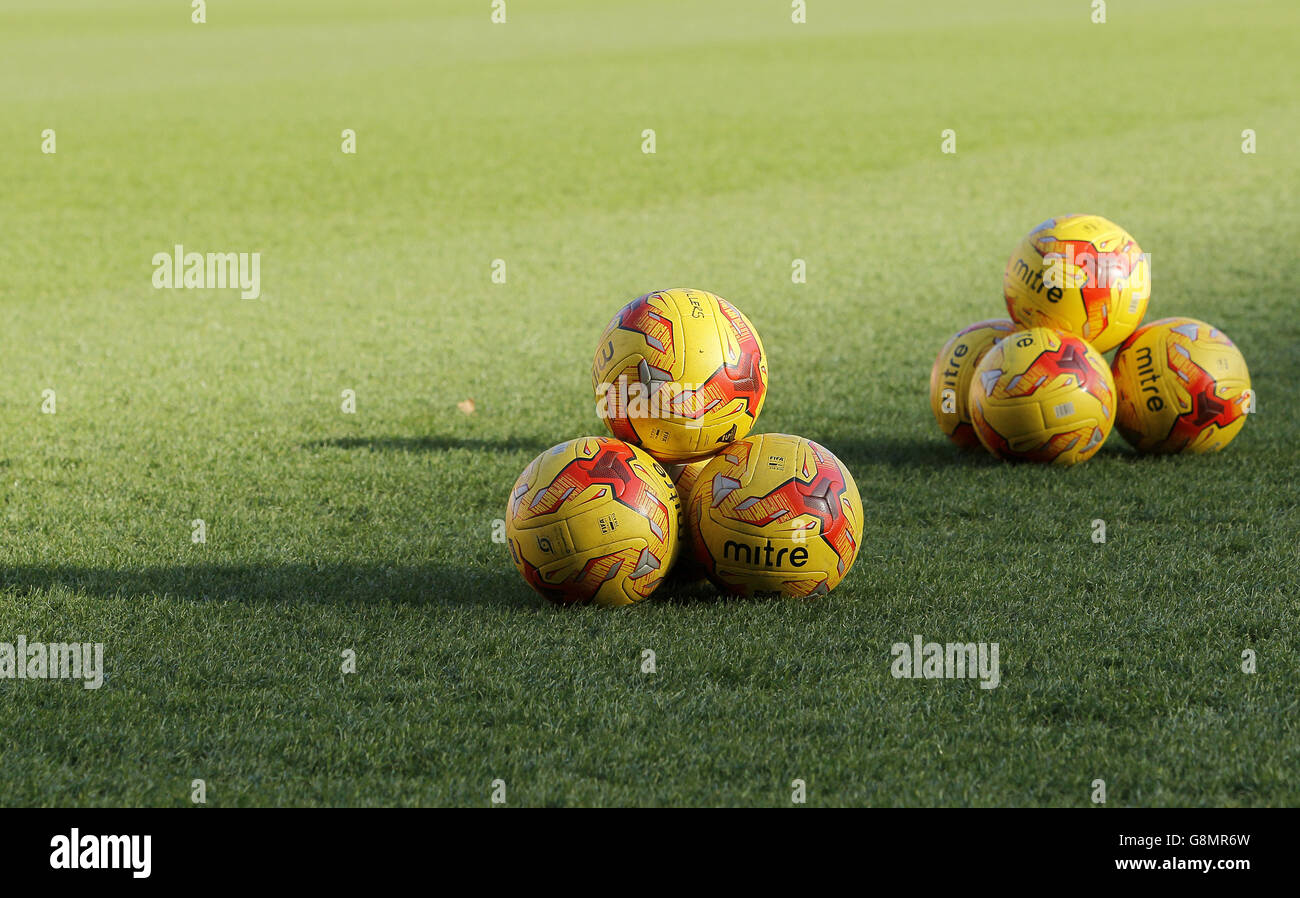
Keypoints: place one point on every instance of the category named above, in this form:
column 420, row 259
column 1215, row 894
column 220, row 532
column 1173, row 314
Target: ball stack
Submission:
column 1037, row 388
column 679, row 379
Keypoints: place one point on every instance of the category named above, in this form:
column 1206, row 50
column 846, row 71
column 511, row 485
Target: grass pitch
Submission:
column 373, row 531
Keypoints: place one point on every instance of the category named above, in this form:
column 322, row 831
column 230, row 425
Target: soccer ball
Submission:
column 775, row 514
column 680, row 373
column 950, row 377
column 685, row 477
column 1041, row 395
column 1183, row 387
column 1080, row 274
column 687, row 569
column 593, row 520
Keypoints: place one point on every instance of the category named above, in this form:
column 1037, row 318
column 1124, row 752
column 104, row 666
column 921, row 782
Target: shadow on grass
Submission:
column 704, row 593
column 273, row 583
column 435, row 444
column 325, row 584
column 906, row 452
column 925, row 454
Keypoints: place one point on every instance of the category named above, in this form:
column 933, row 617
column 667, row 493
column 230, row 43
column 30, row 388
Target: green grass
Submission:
column 373, row 531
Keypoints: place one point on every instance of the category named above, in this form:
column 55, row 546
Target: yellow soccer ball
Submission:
column 1080, row 274
column 680, row 373
column 1041, row 395
column 687, row 569
column 1183, row 387
column 950, row 377
column 775, row 514
column 593, row 520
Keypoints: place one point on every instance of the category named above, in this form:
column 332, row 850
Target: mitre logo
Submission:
column 761, row 556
